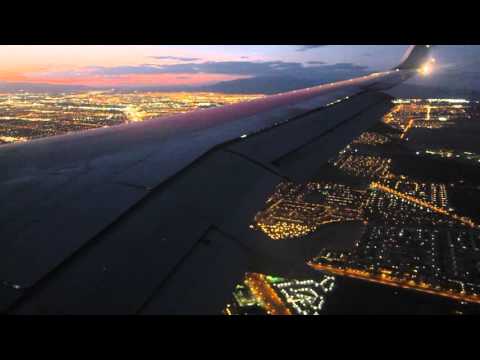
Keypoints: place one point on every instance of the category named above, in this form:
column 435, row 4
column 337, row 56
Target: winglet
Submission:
column 415, row 57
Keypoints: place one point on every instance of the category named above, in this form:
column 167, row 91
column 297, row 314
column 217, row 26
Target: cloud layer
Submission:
column 240, row 68
column 200, row 72
column 175, row 58
column 309, row 47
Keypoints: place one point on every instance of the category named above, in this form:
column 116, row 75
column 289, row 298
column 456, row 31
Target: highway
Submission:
column 405, row 131
column 463, row 220
column 395, row 282
column 265, row 295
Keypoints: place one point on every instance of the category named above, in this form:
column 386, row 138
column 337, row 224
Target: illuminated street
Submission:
column 424, row 204
column 385, row 279
column 263, row 292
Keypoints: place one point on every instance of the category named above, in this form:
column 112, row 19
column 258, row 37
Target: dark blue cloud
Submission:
column 315, row 63
column 308, row 47
column 176, row 58
column 240, row 68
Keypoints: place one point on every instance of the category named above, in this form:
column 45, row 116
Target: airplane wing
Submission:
column 153, row 217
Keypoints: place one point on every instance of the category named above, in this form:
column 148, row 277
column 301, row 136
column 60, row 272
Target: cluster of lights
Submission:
column 284, row 230
column 430, row 114
column 289, row 215
column 376, row 258
column 363, row 165
column 25, row 116
column 431, row 192
column 370, row 138
column 280, row 296
column 439, row 101
column 424, row 204
column 451, row 154
column 397, row 251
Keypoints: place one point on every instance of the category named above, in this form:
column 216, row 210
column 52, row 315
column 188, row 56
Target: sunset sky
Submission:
column 168, row 65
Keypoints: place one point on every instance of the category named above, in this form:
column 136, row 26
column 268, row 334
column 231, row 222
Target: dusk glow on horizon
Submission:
column 192, row 65
column 108, row 65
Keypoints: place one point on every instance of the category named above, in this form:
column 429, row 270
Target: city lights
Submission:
column 413, row 236
column 25, row 116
